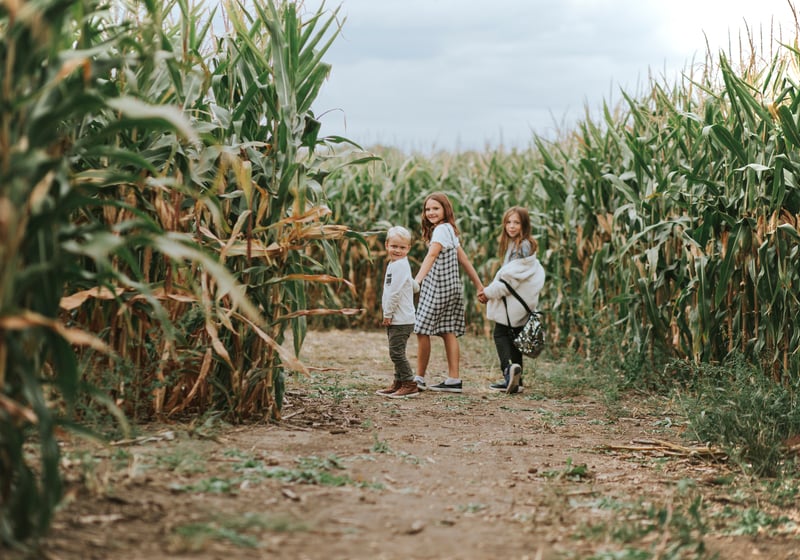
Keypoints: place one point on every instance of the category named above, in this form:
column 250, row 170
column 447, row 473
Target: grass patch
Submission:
column 331, row 387
column 213, row 485
column 753, row 521
column 317, row 470
column 733, row 405
column 738, row 407
column 575, row 473
column 550, row 418
column 472, row 508
column 380, row 446
column 182, row 461
column 197, row 535
column 310, row 470
column 233, row 529
column 640, row 530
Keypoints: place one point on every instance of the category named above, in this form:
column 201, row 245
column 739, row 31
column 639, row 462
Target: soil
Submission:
column 558, row 471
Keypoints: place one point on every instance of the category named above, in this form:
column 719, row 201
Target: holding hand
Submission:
column 482, row 297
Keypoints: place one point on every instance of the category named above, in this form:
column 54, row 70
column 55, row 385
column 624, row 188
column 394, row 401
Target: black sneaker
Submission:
column 445, row 388
column 420, row 384
column 502, row 386
column 514, row 378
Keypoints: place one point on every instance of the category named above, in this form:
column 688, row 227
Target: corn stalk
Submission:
column 147, row 201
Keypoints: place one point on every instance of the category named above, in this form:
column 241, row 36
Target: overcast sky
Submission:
column 466, row 74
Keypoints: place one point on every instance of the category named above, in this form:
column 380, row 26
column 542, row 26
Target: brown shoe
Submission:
column 407, row 389
column 390, row 389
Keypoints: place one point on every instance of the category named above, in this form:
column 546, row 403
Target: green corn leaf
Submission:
column 726, row 139
column 139, row 111
column 738, row 239
column 789, row 126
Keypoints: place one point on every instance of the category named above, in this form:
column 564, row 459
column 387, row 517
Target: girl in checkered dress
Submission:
column 440, row 310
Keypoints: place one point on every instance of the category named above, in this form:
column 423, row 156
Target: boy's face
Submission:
column 397, row 248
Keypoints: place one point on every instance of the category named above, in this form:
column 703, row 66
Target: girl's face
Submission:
column 434, row 211
column 513, row 225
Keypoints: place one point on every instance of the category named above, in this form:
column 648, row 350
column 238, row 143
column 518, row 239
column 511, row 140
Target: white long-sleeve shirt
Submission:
column 398, row 293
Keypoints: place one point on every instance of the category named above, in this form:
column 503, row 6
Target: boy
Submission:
column 398, row 312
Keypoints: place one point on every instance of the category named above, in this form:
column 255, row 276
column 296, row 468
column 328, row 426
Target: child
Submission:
column 522, row 270
column 440, row 310
column 398, row 312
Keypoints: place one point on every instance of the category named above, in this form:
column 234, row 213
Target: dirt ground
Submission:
column 555, row 472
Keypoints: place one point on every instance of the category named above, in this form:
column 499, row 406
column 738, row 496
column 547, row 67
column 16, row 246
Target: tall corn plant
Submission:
column 249, row 196
column 276, row 237
column 48, row 87
column 688, row 198
column 119, row 214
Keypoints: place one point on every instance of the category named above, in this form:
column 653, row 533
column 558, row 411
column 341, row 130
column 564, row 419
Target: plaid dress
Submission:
column 441, row 298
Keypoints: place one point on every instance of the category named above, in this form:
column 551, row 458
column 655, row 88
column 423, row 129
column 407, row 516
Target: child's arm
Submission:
column 495, row 290
column 427, row 262
column 470, row 270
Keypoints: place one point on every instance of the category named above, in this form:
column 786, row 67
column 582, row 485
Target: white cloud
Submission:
column 454, row 74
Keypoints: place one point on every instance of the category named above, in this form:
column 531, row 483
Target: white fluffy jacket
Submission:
column 526, row 276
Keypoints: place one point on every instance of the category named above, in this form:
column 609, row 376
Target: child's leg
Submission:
column 423, row 353
column 504, row 344
column 516, row 355
column 398, row 341
column 451, row 350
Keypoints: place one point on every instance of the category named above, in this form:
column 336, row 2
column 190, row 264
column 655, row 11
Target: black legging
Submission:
column 506, row 351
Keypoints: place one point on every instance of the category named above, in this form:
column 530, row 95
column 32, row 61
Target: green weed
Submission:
column 182, row 461
column 213, row 485
column 677, row 529
column 197, row 535
column 380, row 446
column 550, row 418
column 331, row 387
column 739, row 407
column 753, row 521
column 409, row 458
column 571, row 472
column 782, row 493
column 472, row 507
column 120, row 458
column 317, row 470
column 233, row 528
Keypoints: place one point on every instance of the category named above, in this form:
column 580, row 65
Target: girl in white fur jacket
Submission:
column 522, row 270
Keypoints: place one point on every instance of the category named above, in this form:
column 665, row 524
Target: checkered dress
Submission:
column 441, row 298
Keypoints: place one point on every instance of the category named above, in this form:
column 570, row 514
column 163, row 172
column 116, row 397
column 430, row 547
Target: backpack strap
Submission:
column 507, row 317
column 516, row 295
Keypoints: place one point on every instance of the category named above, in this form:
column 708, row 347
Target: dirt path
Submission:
column 349, row 474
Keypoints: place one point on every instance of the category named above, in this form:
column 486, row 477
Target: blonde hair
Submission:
column 400, row 232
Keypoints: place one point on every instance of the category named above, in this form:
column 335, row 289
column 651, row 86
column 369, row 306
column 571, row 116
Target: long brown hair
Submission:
column 524, row 231
column 449, row 216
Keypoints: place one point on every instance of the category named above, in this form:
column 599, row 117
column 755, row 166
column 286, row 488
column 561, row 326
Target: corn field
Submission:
column 672, row 221
column 171, row 217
